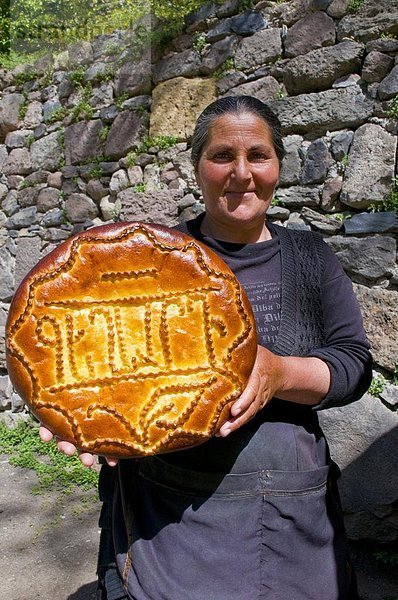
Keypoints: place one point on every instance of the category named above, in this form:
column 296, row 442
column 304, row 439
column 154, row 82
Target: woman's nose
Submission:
column 241, row 169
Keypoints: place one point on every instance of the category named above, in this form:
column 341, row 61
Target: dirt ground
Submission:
column 49, row 545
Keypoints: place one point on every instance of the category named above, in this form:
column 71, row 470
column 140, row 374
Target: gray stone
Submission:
column 388, row 88
column 80, row 54
column 50, row 107
column 135, row 175
column 221, row 30
column 109, row 113
column 370, row 21
column 278, row 212
column 5, row 392
column 65, row 89
column 96, row 190
column 185, row 168
column 265, row 88
column 102, row 95
column 7, row 263
column 80, row 208
column 261, row 48
column 55, row 180
column 23, row 218
column 37, row 177
column 296, row 196
column 376, row 66
column 370, row 168
column 324, row 223
column 124, row 134
column 34, row 115
column 363, row 437
column 9, row 113
column 138, row 103
column 46, row 152
column 10, row 204
column 133, row 78
column 47, row 199
column 340, row 144
column 28, row 196
column 82, row 141
column 377, row 222
column 313, row 31
column 200, row 16
column 296, row 222
column 95, row 71
column 325, row 111
column 228, row 8
column 218, row 54
column 53, row 218
column 18, row 162
column 390, row 395
column 3, row 192
column 3, row 156
column 318, row 69
column 385, row 44
column 110, row 210
column 380, row 313
column 361, row 264
column 248, row 23
column 158, row 207
column 182, row 64
column 316, row 163
column 119, row 181
column 27, row 256
column 18, row 138
column 330, row 193
column 229, row 81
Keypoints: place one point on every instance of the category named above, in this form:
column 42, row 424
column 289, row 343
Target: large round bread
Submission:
column 130, row 339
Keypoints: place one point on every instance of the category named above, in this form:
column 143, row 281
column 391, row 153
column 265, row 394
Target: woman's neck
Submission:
column 238, row 235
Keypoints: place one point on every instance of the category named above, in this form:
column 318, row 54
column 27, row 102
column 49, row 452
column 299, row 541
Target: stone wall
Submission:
column 75, row 152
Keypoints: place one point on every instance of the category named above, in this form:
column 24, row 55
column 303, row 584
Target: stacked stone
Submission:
column 72, row 126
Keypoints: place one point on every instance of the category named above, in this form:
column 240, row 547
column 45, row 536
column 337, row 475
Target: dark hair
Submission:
column 235, row 104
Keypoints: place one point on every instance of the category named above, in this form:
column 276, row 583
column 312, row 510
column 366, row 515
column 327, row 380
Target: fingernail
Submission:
column 236, row 410
column 224, row 431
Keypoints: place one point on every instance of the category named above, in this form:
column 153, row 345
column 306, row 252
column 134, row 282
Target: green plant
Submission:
column 224, row 69
column 390, row 202
column 29, row 140
column 103, row 134
column 23, row 109
column 106, row 75
column 378, row 385
column 82, row 110
column 57, row 115
column 61, row 137
column 392, row 110
column 140, row 187
column 120, row 99
column 25, row 184
column 54, row 469
column 395, row 375
column 342, row 164
column 246, row 4
column 281, row 94
column 199, row 42
column 95, row 173
column 354, row 5
column 387, row 557
column 77, row 77
column 25, row 77
column 130, row 159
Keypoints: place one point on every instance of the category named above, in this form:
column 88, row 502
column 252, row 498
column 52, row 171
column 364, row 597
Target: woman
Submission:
column 254, row 512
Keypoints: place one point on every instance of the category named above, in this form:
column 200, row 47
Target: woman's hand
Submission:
column 304, row 380
column 262, row 385
column 69, row 449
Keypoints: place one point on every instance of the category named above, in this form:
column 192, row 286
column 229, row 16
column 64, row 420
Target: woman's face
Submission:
column 238, row 171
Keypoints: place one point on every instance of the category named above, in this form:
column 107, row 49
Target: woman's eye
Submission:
column 222, row 156
column 257, row 156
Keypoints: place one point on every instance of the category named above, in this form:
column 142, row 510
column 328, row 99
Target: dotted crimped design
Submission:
column 176, row 430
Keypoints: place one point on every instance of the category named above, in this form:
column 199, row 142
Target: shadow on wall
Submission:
column 369, row 491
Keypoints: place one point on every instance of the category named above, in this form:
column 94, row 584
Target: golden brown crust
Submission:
column 130, row 339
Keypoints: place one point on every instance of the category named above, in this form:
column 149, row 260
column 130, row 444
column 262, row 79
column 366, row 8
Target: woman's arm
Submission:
column 304, row 380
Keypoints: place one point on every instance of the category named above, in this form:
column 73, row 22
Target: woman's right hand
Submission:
column 69, row 449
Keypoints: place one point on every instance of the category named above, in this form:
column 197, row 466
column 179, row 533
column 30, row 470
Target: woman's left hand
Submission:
column 263, row 383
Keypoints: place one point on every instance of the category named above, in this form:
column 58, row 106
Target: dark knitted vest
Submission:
column 302, row 260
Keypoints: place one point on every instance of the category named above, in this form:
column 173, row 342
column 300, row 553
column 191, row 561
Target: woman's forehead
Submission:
column 246, row 126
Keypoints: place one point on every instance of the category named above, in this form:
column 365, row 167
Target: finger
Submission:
column 112, row 462
column 86, row 459
column 234, row 423
column 247, row 397
column 45, row 434
column 66, row 448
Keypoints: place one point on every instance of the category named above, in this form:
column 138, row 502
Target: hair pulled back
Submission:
column 235, row 105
